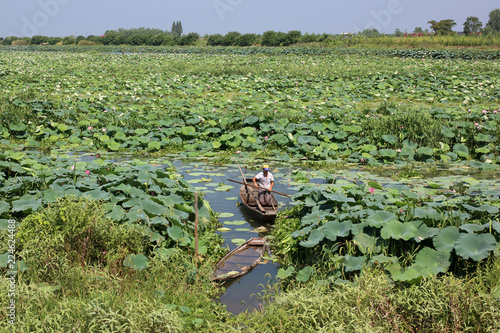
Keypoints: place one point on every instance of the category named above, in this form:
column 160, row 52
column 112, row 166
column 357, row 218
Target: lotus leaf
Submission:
column 314, row 238
column 381, row 218
column 175, row 232
column 446, row 238
column 431, row 262
column 26, row 203
column 461, row 150
column 4, row 207
column 283, row 274
column 390, row 139
column 334, row 229
column 474, row 246
column 354, row 263
column 305, row 274
column 398, row 230
column 138, row 262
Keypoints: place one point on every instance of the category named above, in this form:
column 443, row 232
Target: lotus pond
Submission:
column 392, row 162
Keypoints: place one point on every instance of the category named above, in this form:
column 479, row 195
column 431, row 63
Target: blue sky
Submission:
column 93, row 17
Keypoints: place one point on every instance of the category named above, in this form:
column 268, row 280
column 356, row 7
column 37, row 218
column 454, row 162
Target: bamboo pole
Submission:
column 234, row 181
column 196, row 228
column 256, row 199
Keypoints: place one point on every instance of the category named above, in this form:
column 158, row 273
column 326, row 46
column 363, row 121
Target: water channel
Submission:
column 242, row 293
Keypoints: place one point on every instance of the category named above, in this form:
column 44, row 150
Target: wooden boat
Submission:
column 248, row 195
column 241, row 260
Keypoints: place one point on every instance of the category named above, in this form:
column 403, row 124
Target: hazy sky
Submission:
column 93, row 17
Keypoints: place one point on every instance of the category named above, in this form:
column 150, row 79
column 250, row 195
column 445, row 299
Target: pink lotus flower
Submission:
column 371, row 190
column 265, row 138
column 103, row 130
column 72, row 167
column 87, row 172
column 89, row 128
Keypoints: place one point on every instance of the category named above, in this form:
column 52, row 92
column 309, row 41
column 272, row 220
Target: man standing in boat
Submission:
column 265, row 181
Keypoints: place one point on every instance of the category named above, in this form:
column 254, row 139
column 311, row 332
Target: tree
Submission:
column 418, row 30
column 215, row 40
column 370, row 32
column 398, row 33
column 442, row 27
column 9, row 40
column 37, row 40
column 190, row 38
column 246, row 40
column 230, row 38
column 472, row 25
column 494, row 21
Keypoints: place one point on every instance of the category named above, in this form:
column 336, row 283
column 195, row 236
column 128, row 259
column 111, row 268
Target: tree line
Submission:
column 157, row 37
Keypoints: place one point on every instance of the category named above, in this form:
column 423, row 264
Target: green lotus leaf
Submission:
column 431, row 262
column 368, row 148
column 474, row 246
column 234, row 222
column 461, row 150
column 472, row 228
column 378, row 219
column 447, row 133
column 305, row 274
column 4, row 207
column 223, row 215
column 138, row 262
column 26, row 203
column 238, row 241
column 283, row 274
column 367, row 244
column 425, row 151
column 337, row 197
column 488, row 208
column 424, row 232
column 410, row 275
column 314, row 238
column 17, row 126
column 354, row 263
column 141, row 131
column 381, row 259
column 279, row 138
column 304, row 139
column 483, row 138
column 375, row 185
column 446, row 238
column 97, row 195
column 388, row 153
column 340, row 135
column 334, row 229
column 152, row 207
column 390, row 139
column 398, row 230
column 154, row 145
column 175, row 232
column 251, row 120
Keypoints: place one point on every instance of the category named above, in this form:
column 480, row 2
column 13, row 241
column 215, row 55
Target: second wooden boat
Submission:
column 249, row 195
column 241, row 260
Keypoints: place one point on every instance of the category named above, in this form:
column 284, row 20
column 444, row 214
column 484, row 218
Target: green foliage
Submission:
column 472, row 25
column 75, row 232
column 373, row 303
column 494, row 20
column 442, row 27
